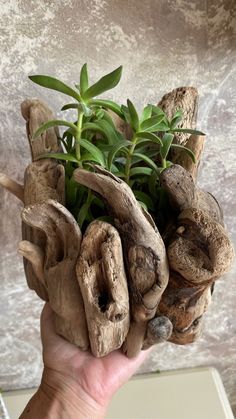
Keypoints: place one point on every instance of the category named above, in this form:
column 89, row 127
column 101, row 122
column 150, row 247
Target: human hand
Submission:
column 75, row 384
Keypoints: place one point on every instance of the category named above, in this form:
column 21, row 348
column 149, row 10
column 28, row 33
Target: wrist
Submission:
column 61, row 398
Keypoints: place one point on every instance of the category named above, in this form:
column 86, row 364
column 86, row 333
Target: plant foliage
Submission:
column 94, row 138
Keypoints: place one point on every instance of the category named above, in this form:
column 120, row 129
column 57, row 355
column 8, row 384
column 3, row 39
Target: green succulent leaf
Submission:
column 71, row 106
column 94, row 151
column 120, row 174
column 156, row 110
column 147, row 160
column 149, row 136
column 109, row 130
column 106, row 218
column 59, row 156
column 163, row 127
column 55, row 84
column 105, row 83
column 143, row 197
column 176, row 119
column 54, row 123
column 83, row 79
column 167, row 141
column 186, row 150
column 99, row 114
column 152, row 124
column 104, row 128
column 125, row 112
column 71, row 190
column 188, row 131
column 86, row 110
column 143, row 150
column 140, row 171
column 83, row 214
column 152, row 184
column 147, row 113
column 114, row 150
column 89, row 157
column 107, row 104
column 134, row 119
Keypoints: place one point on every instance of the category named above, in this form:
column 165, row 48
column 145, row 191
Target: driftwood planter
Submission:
column 124, row 286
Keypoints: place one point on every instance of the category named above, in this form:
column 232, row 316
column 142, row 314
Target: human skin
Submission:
column 75, row 384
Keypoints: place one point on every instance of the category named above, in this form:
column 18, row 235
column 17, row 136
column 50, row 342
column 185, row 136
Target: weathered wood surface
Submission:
column 199, row 252
column 102, row 279
column 162, row 288
column 56, row 263
column 144, row 251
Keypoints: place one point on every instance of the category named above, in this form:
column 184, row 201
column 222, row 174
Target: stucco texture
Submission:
column 161, row 44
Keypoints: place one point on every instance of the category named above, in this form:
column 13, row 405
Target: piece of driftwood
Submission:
column 184, row 304
column 43, row 179
column 183, row 193
column 196, row 144
column 51, row 237
column 36, row 113
column 14, row 187
column 102, row 279
column 186, row 100
column 199, row 252
column 162, row 288
column 144, row 251
column 56, row 264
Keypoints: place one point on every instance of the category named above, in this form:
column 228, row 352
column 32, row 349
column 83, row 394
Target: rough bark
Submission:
column 102, row 279
column 12, row 186
column 55, row 266
column 144, row 251
column 199, row 252
column 196, row 144
column 44, row 179
column 98, row 298
column 36, row 113
column 184, row 305
column 183, row 193
column 186, row 100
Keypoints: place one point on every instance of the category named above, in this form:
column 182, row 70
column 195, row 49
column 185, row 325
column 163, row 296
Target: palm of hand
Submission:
column 98, row 377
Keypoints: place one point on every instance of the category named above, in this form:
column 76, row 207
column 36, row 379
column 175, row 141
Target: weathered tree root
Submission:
column 144, row 251
column 184, row 304
column 199, row 252
column 12, row 186
column 102, row 279
column 36, row 113
column 56, row 266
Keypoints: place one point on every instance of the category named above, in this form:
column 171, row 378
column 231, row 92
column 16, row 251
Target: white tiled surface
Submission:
column 187, row 394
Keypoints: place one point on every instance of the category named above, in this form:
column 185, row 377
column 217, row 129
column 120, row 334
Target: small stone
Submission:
column 180, row 230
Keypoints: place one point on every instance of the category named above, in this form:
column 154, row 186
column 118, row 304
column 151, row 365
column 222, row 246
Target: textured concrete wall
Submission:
column 162, row 44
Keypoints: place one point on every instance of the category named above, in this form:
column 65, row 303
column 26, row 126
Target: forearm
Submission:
column 55, row 400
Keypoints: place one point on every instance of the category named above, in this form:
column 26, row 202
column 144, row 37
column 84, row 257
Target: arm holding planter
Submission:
column 74, row 383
